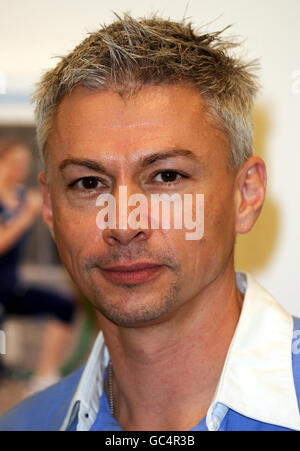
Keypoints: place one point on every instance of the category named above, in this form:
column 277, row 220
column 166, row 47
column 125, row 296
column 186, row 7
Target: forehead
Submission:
column 157, row 116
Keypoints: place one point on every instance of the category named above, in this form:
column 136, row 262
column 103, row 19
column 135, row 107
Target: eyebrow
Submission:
column 143, row 162
column 153, row 158
column 90, row 164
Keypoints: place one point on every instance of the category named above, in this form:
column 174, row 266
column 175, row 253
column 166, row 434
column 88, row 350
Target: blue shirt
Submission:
column 232, row 421
column 105, row 421
column 259, row 389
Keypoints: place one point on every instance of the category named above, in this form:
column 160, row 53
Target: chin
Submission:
column 132, row 313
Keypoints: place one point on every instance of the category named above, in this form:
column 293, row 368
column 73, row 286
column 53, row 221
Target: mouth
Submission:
column 132, row 274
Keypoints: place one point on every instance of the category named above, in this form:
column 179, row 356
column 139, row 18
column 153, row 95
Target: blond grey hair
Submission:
column 130, row 54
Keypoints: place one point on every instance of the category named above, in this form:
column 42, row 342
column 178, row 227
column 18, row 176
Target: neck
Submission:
column 165, row 375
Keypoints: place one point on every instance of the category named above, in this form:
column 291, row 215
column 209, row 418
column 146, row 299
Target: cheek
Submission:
column 210, row 252
column 220, row 224
column 76, row 234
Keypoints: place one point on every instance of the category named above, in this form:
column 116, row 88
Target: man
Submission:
column 186, row 344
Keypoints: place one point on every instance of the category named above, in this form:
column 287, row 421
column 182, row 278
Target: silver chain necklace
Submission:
column 109, row 387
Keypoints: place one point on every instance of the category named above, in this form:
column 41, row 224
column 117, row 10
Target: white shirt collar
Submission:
column 257, row 378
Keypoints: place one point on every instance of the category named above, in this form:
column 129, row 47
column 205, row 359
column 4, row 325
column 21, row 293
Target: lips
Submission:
column 132, row 274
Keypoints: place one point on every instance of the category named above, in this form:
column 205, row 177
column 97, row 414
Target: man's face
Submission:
column 132, row 143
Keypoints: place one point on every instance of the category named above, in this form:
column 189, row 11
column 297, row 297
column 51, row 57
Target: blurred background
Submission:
column 34, row 33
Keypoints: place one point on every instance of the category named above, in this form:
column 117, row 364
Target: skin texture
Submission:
column 187, row 312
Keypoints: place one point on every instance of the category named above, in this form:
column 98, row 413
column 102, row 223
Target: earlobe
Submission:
column 251, row 186
column 47, row 213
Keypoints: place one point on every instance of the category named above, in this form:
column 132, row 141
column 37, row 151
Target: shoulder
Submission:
column 44, row 411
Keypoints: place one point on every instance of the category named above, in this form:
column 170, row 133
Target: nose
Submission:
column 114, row 237
column 126, row 232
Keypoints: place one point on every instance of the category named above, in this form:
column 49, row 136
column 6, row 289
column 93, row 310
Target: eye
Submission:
column 168, row 176
column 87, row 183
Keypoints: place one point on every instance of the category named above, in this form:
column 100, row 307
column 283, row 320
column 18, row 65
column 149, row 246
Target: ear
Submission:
column 251, row 183
column 47, row 212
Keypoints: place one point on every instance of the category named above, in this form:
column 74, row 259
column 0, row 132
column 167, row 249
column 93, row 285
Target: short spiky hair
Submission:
column 130, row 54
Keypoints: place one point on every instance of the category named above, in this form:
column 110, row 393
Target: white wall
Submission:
column 32, row 32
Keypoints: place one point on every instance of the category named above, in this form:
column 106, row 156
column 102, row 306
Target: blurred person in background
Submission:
column 19, row 208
